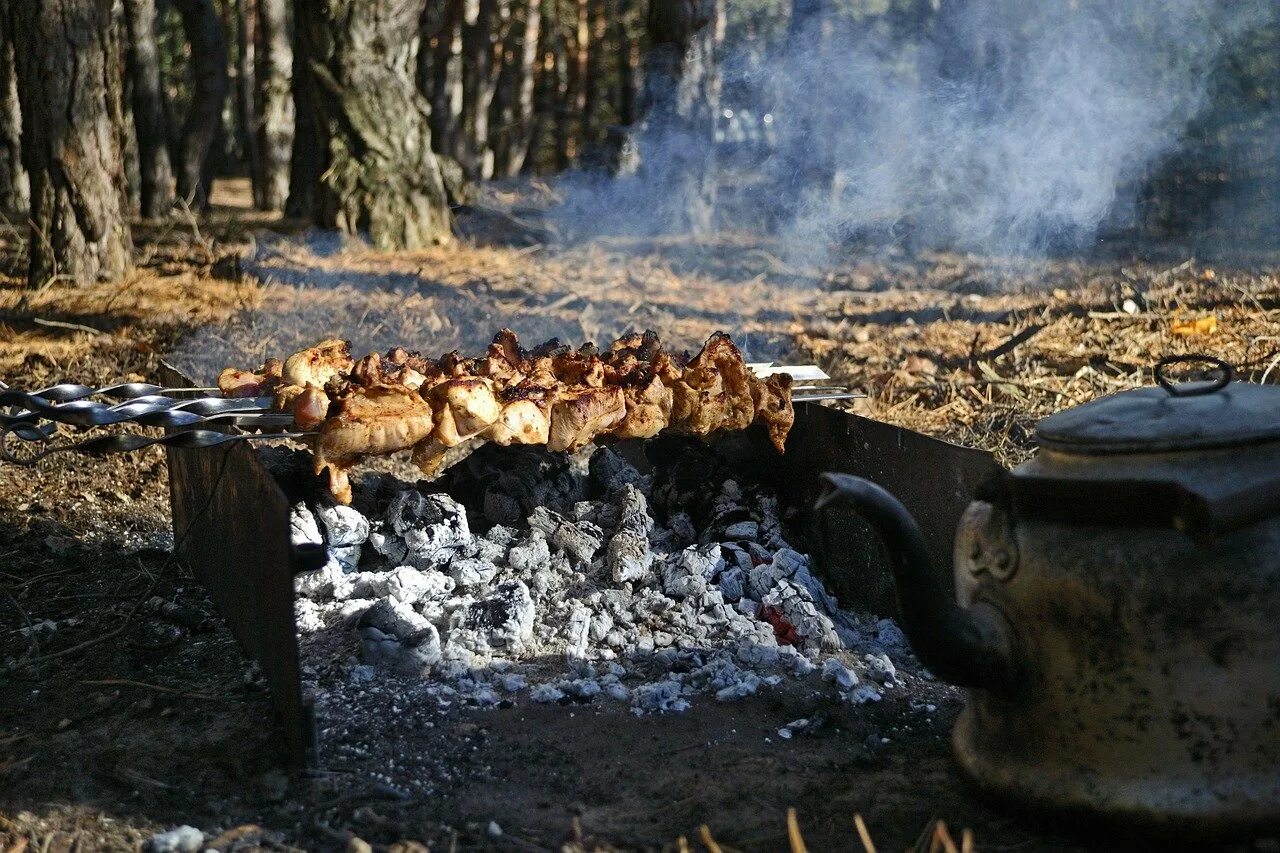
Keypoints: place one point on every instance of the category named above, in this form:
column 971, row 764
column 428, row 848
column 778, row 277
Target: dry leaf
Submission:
column 1197, row 326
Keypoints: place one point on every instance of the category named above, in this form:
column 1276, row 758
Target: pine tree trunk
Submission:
column 308, row 156
column 273, row 55
column 382, row 179
column 514, row 110
column 70, row 72
column 14, row 190
column 681, row 102
column 149, row 117
column 246, row 107
column 594, row 74
column 627, row 60
column 446, row 78
column 210, row 83
column 477, row 86
column 542, row 105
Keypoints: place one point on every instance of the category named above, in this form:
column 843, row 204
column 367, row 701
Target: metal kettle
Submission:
column 1116, row 609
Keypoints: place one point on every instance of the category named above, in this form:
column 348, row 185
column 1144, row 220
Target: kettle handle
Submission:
column 970, row 646
column 1225, row 374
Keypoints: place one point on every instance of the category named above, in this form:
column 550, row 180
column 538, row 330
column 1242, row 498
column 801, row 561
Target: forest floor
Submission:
column 110, row 733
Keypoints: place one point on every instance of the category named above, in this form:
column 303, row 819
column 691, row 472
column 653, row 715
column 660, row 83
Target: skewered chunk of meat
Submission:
column 248, row 383
column 318, row 364
column 372, row 421
column 773, row 407
column 552, row 395
column 579, row 415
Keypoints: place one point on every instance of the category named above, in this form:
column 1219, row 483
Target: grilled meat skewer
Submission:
column 553, row 395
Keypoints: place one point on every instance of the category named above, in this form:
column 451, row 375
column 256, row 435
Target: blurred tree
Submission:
column 150, row 121
column 210, row 83
column 14, row 194
column 381, row 177
column 70, row 72
column 513, row 100
column 273, row 56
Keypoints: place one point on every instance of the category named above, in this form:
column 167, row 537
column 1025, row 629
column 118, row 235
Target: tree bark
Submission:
column 627, row 60
column 446, row 78
column 593, row 81
column 210, row 83
column 273, row 56
column 149, row 117
column 14, row 190
column 681, row 101
column 382, row 178
column 70, row 71
column 477, row 87
column 544, row 81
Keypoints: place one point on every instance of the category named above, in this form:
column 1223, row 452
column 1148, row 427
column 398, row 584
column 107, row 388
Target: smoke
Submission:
column 1004, row 127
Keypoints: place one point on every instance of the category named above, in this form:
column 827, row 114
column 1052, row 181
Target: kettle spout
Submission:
column 971, row 647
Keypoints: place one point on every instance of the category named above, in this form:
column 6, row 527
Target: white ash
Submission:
column 580, row 579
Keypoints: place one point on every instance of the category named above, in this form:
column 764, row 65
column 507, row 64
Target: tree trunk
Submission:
column 477, row 86
column 382, row 178
column 681, row 102
column 70, row 72
column 210, row 83
column 274, row 57
column 593, row 80
column 627, row 61
column 446, row 78
column 149, row 117
column 14, row 190
column 246, row 108
column 512, row 116
column 544, row 77
column 308, row 156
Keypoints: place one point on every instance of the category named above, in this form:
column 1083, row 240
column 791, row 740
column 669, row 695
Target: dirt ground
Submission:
column 116, row 723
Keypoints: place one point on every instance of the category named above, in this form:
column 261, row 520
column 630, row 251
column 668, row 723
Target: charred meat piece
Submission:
column 375, row 421
column 318, row 364
column 773, row 407
column 248, row 383
column 579, row 415
column 463, row 408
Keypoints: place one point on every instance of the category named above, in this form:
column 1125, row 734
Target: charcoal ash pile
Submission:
column 535, row 576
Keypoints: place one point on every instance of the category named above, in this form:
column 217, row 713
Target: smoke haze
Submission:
column 1005, row 126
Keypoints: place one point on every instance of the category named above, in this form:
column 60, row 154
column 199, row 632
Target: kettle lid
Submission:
column 1170, row 416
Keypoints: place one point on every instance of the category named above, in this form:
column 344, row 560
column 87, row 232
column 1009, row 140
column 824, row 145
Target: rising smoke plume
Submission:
column 1005, row 126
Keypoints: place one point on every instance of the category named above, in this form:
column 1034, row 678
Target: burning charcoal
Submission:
column 601, row 625
column 184, row 839
column 472, row 572
column 406, row 657
column 762, row 578
column 403, row 583
column 611, row 472
column 659, row 696
column 889, row 635
column 742, row 530
column 834, row 670
column 512, row 682
column 530, row 556
column 401, row 621
column 578, row 632
column 546, row 694
column 617, row 691
column 880, row 668
column 343, row 525
column 629, row 556
column 679, row 579
column 501, row 508
column 580, row 688
column 758, row 654
column 329, row 582
column 580, row 540
column 505, row 618
column 862, row 694
column 502, row 536
column 345, row 557
column 389, row 544
column 303, row 527
column 307, row 616
column 732, row 584
column 433, row 526
column 796, row 607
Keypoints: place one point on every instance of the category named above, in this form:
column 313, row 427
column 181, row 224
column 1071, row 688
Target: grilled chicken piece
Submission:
column 374, row 421
column 773, row 407
column 580, row 414
column 248, row 383
column 463, row 407
column 318, row 364
column 310, row 408
column 714, row 391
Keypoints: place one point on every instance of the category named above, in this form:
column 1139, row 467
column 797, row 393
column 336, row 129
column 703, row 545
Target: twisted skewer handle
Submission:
column 195, row 439
column 147, row 410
